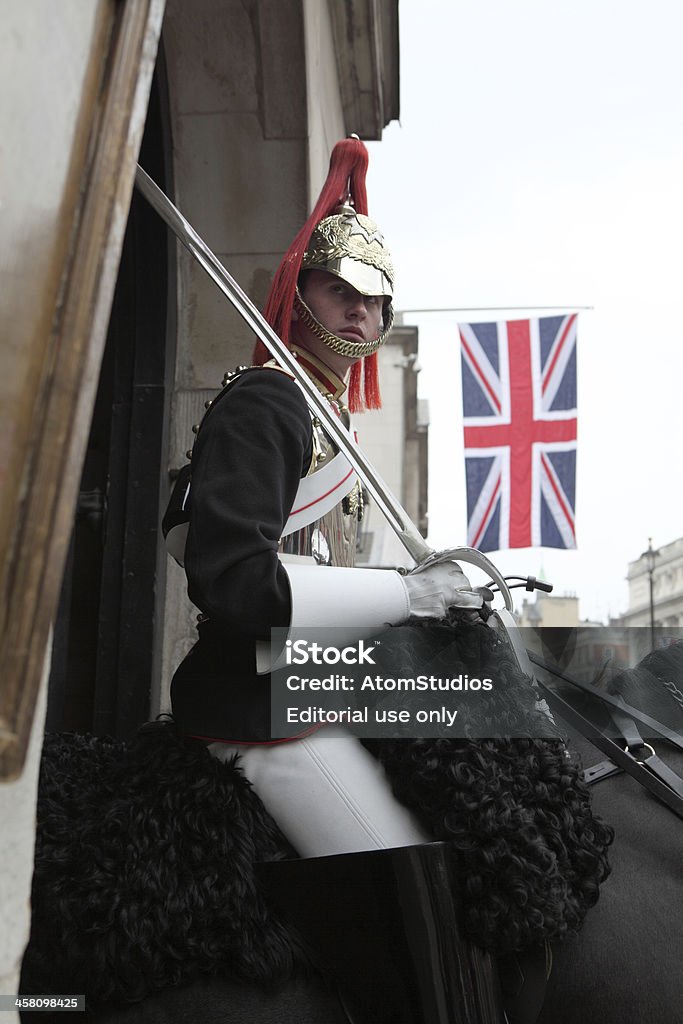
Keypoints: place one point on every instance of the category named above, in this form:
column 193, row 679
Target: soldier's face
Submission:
column 342, row 309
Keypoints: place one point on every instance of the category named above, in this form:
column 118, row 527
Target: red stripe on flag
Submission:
column 521, row 428
column 485, row 521
column 550, row 473
column 558, row 349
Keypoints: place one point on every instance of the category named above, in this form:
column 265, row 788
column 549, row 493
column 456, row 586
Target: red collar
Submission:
column 325, row 379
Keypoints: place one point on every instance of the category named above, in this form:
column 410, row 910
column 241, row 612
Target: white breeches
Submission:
column 327, row 794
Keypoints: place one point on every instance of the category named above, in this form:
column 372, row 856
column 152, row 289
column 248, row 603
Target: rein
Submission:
column 650, row 771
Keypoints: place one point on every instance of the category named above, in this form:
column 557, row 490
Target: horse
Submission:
column 625, row 962
column 147, row 893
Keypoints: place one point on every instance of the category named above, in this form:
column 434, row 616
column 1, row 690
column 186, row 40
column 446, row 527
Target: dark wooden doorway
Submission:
column 106, row 645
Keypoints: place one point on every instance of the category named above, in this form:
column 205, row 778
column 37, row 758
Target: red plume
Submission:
column 363, row 387
column 346, row 176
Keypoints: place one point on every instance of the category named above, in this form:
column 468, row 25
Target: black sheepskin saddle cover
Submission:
column 145, row 879
column 144, row 870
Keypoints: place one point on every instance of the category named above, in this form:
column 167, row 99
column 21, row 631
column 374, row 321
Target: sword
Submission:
column 389, row 505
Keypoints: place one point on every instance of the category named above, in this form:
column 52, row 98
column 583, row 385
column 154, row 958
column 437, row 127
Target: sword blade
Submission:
column 391, row 508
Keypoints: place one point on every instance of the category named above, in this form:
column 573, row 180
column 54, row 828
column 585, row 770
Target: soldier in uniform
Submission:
column 265, row 486
column 273, row 514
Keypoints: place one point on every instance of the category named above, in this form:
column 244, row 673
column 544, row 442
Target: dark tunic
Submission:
column 253, row 447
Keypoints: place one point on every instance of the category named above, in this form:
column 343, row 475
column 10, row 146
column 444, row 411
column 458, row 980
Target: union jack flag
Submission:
column 519, row 405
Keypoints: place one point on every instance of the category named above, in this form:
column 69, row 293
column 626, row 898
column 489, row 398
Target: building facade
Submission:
column 550, row 610
column 667, row 588
column 116, row 337
column 590, row 651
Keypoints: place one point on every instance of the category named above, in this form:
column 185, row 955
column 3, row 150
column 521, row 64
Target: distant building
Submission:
column 550, row 610
column 600, row 652
column 667, row 588
column 667, row 600
column 594, row 652
column 395, row 440
column 589, row 651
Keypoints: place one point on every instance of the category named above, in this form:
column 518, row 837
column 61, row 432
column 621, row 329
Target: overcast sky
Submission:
column 539, row 161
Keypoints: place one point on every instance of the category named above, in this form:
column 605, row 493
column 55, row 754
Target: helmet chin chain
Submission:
column 341, row 346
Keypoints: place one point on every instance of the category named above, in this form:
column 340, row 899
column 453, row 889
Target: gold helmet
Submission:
column 350, row 246
column 342, row 240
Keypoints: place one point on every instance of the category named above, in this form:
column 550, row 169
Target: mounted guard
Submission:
column 269, row 543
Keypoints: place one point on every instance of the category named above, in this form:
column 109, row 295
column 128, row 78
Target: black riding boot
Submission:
column 388, row 926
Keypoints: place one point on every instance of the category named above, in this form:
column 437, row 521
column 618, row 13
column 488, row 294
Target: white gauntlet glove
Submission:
column 365, row 602
column 433, row 590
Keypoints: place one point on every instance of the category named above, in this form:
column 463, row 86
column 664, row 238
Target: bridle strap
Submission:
column 641, row 771
column 669, row 777
column 635, row 744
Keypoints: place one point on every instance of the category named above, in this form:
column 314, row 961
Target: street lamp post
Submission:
column 650, row 557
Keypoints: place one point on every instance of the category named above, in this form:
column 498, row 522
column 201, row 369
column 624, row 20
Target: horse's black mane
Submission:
column 655, row 685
